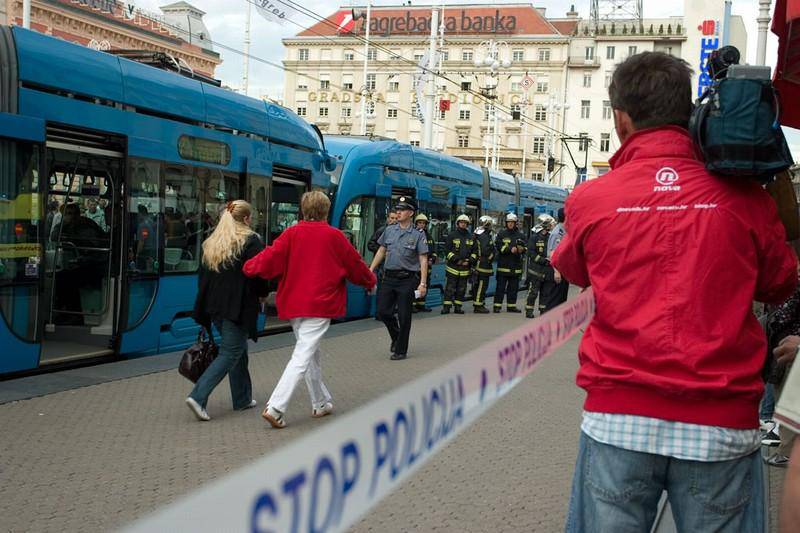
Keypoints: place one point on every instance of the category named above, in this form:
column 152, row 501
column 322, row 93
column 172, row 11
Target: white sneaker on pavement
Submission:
column 274, row 417
column 325, row 409
column 198, row 410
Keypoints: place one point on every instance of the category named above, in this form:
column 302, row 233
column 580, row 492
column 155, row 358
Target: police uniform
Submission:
column 484, row 239
column 539, row 270
column 509, row 268
column 401, row 277
column 419, row 303
column 462, row 253
column 554, row 294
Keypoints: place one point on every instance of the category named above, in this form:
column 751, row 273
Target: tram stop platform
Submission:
column 94, row 448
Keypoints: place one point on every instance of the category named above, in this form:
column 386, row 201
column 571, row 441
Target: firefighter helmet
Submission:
column 545, row 220
column 463, row 218
column 511, row 217
column 486, row 220
column 421, row 217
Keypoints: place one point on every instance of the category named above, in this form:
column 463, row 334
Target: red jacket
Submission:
column 675, row 257
column 313, row 260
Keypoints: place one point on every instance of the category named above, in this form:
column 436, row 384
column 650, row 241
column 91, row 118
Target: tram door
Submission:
column 81, row 274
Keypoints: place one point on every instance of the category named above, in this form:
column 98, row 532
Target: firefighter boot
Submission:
column 479, row 309
column 458, row 310
column 446, row 310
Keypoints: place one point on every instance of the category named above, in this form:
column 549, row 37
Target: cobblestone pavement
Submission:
column 97, row 457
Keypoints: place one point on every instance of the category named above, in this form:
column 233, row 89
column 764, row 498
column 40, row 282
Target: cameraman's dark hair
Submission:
column 654, row 88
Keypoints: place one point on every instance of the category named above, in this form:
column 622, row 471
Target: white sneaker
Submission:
column 274, row 417
column 252, row 404
column 197, row 409
column 325, row 409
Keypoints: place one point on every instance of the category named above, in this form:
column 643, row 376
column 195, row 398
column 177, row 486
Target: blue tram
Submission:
column 371, row 174
column 111, row 174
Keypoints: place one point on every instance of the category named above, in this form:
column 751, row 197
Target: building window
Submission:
column 301, row 112
column 516, row 111
column 369, row 108
column 413, row 143
column 606, row 109
column 544, row 54
column 607, row 81
column 542, row 86
column 631, row 51
column 445, row 55
column 466, row 55
column 605, row 142
column 487, row 111
column 372, row 54
column 414, row 109
column 538, row 145
column 610, row 52
column 347, row 86
column 537, row 176
column 463, row 140
column 466, row 86
column 516, row 87
column 391, row 113
column 302, row 85
column 346, row 112
column 540, row 113
column 349, row 55
column 394, row 86
column 463, row 114
column 587, row 79
column 585, row 108
column 583, row 143
column 371, row 82
column 418, row 55
column 518, row 55
column 442, row 114
column 589, row 54
column 668, row 50
column 323, row 111
column 324, row 85
column 302, row 54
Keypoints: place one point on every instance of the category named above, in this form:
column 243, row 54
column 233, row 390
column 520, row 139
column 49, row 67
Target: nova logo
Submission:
column 666, row 179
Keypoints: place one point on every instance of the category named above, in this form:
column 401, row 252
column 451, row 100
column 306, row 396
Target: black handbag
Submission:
column 198, row 357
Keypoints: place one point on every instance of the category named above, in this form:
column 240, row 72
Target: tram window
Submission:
column 358, row 224
column 20, row 251
column 144, row 205
column 439, row 226
column 259, row 185
column 218, row 189
column 285, row 207
column 181, row 219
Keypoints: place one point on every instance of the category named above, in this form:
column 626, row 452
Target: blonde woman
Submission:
column 229, row 300
column 313, row 261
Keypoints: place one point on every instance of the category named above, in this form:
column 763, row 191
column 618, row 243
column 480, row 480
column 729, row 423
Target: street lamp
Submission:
column 489, row 56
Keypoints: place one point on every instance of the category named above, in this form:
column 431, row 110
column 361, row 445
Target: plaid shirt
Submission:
column 691, row 442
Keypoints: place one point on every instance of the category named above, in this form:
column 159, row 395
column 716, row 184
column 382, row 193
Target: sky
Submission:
column 225, row 20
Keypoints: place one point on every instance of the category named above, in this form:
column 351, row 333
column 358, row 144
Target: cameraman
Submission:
column 672, row 360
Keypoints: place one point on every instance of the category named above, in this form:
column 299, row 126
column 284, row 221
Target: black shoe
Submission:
column 458, row 310
column 512, row 310
column 479, row 309
column 498, row 309
column 446, row 310
column 426, row 309
column 398, row 356
column 529, row 314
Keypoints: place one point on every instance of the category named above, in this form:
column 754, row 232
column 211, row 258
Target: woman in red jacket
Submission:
column 313, row 260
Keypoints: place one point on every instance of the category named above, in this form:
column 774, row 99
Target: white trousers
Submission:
column 305, row 361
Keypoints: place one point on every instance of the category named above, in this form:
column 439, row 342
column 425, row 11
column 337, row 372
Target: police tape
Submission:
column 328, row 479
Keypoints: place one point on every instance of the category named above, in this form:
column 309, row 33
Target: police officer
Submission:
column 372, row 244
column 555, row 290
column 421, row 223
column 484, row 239
column 539, row 268
column 462, row 253
column 510, row 244
column 404, row 271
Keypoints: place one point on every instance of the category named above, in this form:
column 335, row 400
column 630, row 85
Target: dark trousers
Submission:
column 534, row 292
column 455, row 290
column 480, row 286
column 508, row 286
column 397, row 294
column 553, row 295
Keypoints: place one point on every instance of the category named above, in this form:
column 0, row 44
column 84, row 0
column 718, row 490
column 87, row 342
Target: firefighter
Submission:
column 484, row 237
column 462, row 253
column 539, row 269
column 510, row 245
column 421, row 223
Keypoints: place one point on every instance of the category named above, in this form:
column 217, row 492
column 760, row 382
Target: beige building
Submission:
column 324, row 78
column 117, row 25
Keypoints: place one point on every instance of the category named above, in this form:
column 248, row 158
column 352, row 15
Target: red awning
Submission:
column 786, row 25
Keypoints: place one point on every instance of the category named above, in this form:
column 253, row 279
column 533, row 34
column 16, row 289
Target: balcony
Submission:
column 582, row 62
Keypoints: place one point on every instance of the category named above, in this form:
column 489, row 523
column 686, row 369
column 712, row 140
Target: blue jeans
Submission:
column 767, row 408
column 232, row 360
column 618, row 490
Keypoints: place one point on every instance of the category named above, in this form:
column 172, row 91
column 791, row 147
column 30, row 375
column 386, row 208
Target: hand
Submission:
column 557, row 276
column 514, row 249
column 787, row 349
column 423, row 290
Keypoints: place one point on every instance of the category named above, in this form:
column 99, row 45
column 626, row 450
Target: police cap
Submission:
column 405, row 203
